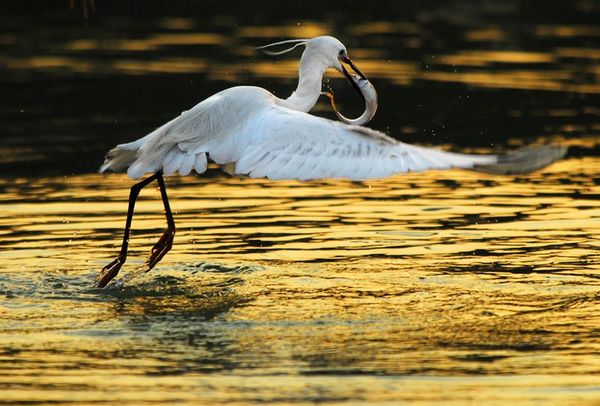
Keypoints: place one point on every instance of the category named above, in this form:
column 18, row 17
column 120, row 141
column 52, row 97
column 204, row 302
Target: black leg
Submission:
column 160, row 248
column 165, row 242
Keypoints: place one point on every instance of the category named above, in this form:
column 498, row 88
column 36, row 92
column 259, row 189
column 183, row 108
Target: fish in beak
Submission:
column 367, row 90
column 362, row 85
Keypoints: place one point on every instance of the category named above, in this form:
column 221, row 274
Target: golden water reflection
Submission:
column 506, row 68
column 441, row 285
column 437, row 287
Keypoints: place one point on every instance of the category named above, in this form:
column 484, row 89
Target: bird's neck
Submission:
column 309, row 85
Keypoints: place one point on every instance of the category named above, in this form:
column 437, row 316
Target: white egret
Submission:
column 260, row 135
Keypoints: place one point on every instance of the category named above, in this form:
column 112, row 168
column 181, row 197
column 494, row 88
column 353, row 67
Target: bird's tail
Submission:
column 524, row 160
column 121, row 156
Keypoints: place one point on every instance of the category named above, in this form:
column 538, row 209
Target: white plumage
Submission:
column 251, row 132
column 260, row 135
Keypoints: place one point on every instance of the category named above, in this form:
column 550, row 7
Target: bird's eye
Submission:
column 342, row 52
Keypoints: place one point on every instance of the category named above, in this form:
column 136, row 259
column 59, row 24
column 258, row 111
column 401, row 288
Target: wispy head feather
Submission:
column 297, row 42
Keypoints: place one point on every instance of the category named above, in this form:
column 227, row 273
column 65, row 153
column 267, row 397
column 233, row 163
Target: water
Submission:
column 442, row 287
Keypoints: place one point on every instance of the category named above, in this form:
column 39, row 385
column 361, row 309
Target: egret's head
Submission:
column 333, row 54
column 328, row 50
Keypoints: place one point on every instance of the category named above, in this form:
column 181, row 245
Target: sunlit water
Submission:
column 452, row 286
column 448, row 286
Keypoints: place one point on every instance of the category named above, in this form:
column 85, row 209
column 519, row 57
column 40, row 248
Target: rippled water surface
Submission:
column 440, row 287
column 444, row 285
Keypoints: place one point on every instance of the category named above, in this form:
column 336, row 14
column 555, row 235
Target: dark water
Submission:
column 442, row 287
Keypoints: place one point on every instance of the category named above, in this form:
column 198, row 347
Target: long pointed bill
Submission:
column 349, row 77
column 347, row 60
column 352, row 82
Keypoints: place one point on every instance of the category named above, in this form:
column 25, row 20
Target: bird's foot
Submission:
column 109, row 272
column 161, row 248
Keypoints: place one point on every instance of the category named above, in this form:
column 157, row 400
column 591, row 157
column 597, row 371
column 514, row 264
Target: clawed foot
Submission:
column 160, row 249
column 109, row 272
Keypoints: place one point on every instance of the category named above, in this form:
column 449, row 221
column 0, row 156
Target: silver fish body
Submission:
column 370, row 95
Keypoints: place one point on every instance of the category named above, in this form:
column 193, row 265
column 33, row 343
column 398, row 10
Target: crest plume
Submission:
column 297, row 42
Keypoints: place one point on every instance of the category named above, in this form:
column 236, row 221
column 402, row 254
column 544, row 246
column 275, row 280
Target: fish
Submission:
column 370, row 96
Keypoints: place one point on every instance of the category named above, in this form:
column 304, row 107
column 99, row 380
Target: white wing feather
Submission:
column 246, row 127
column 287, row 144
column 181, row 144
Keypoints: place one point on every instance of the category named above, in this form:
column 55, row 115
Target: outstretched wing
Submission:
column 181, row 144
column 293, row 145
column 263, row 139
